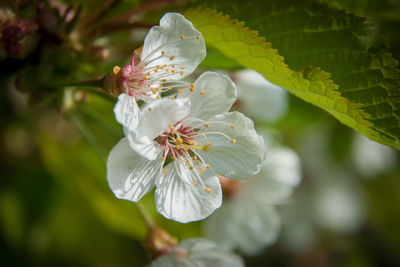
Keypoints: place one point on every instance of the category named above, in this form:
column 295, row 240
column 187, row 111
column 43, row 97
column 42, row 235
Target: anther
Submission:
column 148, row 73
column 146, row 77
column 149, row 109
column 172, row 157
column 163, row 52
column 191, row 168
column 172, row 57
column 164, row 80
column 197, row 162
column 194, row 182
column 194, row 157
column 181, row 72
column 233, row 141
column 186, row 149
column 203, row 92
column 206, row 125
column 165, row 171
column 180, row 90
column 198, row 37
column 116, row 69
column 173, row 71
column 173, row 97
column 141, row 67
column 182, row 67
column 163, row 158
column 207, row 189
column 169, row 87
column 182, row 36
column 208, row 166
column 155, row 70
column 158, row 96
column 233, row 126
column 201, row 170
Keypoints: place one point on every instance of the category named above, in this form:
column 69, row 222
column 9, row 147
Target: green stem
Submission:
column 146, row 216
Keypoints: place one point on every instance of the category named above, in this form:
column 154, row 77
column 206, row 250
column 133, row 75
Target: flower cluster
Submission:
column 183, row 135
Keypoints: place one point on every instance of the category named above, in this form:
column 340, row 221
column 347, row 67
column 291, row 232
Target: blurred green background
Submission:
column 55, row 205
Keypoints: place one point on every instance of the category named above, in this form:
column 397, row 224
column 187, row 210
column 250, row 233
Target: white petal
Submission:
column 260, row 98
column 188, row 51
column 200, row 253
column 213, row 94
column 239, row 160
column 129, row 175
column 127, row 111
column 244, row 224
column 180, row 200
column 280, row 174
column 156, row 117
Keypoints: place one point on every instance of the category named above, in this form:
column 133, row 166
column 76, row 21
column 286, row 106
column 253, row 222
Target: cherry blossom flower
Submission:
column 247, row 219
column 170, row 52
column 181, row 144
column 198, row 252
column 259, row 98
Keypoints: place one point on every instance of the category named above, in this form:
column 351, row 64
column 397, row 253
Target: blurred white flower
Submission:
column 371, row 158
column 248, row 220
column 180, row 145
column 170, row 52
column 198, row 252
column 259, row 98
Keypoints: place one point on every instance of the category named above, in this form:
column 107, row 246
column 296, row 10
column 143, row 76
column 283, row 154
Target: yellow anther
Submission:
column 182, row 67
column 198, row 37
column 179, row 140
column 155, row 91
column 197, row 161
column 178, row 147
column 163, row 158
column 158, row 96
column 233, row 141
column 158, row 66
column 191, row 89
column 172, row 157
column 169, row 87
column 206, row 125
column 146, row 77
column 149, row 109
column 172, row 57
column 191, row 168
column 182, row 36
column 173, row 97
column 208, row 166
column 155, row 70
column 201, row 170
column 207, row 189
column 233, row 126
column 180, row 90
column 167, row 69
column 187, row 161
column 181, row 72
column 164, row 80
column 203, row 92
column 190, row 142
column 194, row 157
column 163, row 52
column 165, row 171
column 173, row 131
column 141, row 67
column 173, row 71
column 163, row 66
column 173, row 65
column 207, row 147
column 148, row 73
column 192, row 85
column 170, row 126
column 116, row 69
column 194, row 182
column 186, row 149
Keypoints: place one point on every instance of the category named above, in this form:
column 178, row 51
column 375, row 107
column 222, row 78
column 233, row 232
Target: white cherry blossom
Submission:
column 198, row 252
column 170, row 52
column 180, row 145
column 247, row 219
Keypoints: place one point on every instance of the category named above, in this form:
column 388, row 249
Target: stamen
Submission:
column 203, row 92
column 198, row 37
column 165, row 171
column 149, row 109
column 182, row 36
column 172, row 57
column 207, row 189
column 233, row 141
column 233, row 126
column 194, row 182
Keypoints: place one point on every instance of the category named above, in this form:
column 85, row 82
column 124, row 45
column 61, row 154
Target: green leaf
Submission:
column 360, row 82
